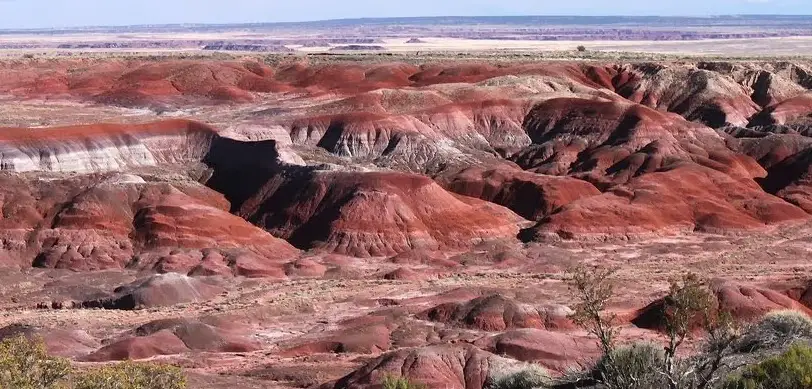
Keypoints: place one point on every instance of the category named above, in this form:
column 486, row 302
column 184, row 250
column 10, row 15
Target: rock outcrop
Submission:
column 488, row 313
column 554, row 350
column 160, row 290
column 452, row 367
column 170, row 337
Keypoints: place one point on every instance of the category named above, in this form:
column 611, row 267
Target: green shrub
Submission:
column 25, row 364
column 791, row 370
column 777, row 329
column 397, row 382
column 527, row 377
column 131, row 375
column 638, row 366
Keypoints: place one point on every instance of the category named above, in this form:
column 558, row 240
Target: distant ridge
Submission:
column 750, row 20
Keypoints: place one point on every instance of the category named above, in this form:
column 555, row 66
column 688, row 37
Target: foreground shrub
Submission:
column 25, row 364
column 689, row 307
column 527, row 377
column 791, row 370
column 397, row 382
column 638, row 366
column 777, row 329
column 130, row 375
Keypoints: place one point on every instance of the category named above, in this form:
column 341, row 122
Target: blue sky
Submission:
column 64, row 13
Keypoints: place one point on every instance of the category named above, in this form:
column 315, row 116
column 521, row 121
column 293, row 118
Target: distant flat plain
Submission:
column 733, row 36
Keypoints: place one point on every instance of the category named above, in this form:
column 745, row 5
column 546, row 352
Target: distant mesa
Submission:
column 251, row 48
column 415, row 40
column 358, row 48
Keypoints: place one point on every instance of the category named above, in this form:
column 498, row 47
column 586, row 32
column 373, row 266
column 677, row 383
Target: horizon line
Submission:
column 384, row 18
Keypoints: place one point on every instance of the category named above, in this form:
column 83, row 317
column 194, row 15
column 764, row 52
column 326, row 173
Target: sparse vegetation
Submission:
column 775, row 330
column 131, row 375
column 527, row 377
column 593, row 287
column 632, row 367
column 790, row 370
column 689, row 306
column 25, row 364
column 398, row 382
column 581, row 48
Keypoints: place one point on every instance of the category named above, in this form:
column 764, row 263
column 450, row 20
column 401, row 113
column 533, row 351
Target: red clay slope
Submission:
column 620, row 140
column 365, row 214
column 530, row 195
column 103, row 147
column 91, row 222
column 683, row 198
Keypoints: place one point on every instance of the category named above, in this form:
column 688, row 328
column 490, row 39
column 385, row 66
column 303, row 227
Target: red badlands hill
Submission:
column 142, row 82
column 556, row 351
column 558, row 119
column 364, row 214
column 601, row 125
column 488, row 313
column 103, row 147
column 683, row 198
column 108, row 222
column 620, row 140
column 794, row 110
column 169, row 337
column 745, row 303
column 790, row 179
column 103, row 219
column 531, row 195
column 696, row 94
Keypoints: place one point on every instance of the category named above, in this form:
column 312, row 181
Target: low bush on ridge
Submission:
column 398, row 382
column 776, row 330
column 528, row 376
